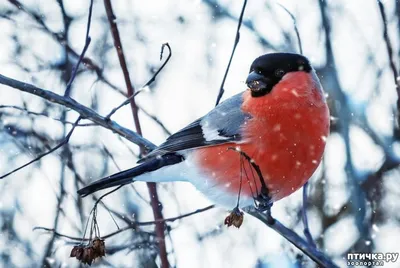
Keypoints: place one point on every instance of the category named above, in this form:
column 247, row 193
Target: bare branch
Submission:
column 152, row 79
column 82, row 55
column 155, row 203
column 60, row 38
column 84, row 111
column 292, row 237
column 224, row 12
column 263, row 213
column 121, row 57
column 390, row 56
column 237, row 38
column 373, row 180
column 156, row 120
column 24, row 110
column 63, row 142
column 306, row 229
column 133, row 225
column 295, row 27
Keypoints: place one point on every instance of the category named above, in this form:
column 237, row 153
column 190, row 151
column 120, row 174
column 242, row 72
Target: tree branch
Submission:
column 85, row 112
column 26, row 111
column 132, row 225
column 152, row 79
column 306, row 229
column 63, row 142
column 82, row 55
column 390, row 56
column 292, row 237
column 121, row 57
column 61, row 39
column 295, row 28
column 155, row 203
column 237, row 38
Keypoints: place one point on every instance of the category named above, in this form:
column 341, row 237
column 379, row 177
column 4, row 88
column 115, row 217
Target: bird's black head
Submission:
column 266, row 71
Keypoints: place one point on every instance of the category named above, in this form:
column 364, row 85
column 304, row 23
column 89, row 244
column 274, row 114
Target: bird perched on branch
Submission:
column 280, row 122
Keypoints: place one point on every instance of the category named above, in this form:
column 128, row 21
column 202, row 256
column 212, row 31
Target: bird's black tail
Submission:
column 126, row 176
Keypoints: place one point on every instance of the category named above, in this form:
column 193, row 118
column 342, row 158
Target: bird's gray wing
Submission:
column 221, row 125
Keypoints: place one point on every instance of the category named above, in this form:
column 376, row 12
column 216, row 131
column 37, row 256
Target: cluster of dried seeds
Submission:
column 88, row 253
column 235, row 218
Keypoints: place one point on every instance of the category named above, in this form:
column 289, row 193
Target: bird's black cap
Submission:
column 267, row 70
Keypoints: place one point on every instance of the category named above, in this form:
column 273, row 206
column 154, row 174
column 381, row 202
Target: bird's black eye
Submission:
column 257, row 70
column 279, row 72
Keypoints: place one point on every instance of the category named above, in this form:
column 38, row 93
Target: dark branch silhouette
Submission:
column 59, row 145
column 152, row 79
column 389, row 49
column 82, row 55
column 235, row 43
column 155, row 203
column 83, row 111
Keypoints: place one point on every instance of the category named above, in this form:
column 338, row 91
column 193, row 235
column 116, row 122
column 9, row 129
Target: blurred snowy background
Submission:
column 354, row 196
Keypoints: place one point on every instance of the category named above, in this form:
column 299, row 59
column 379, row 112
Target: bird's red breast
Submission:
column 285, row 137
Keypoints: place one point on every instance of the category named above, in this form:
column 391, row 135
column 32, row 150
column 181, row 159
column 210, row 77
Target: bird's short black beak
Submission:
column 256, row 81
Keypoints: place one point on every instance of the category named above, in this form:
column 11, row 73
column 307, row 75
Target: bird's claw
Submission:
column 264, row 202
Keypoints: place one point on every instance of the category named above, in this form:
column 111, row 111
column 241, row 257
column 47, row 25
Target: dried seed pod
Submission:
column 235, row 218
column 88, row 255
column 77, row 252
column 99, row 247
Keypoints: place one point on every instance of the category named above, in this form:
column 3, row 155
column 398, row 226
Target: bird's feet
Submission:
column 263, row 202
column 263, row 205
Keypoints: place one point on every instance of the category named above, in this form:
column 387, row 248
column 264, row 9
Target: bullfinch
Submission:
column 281, row 122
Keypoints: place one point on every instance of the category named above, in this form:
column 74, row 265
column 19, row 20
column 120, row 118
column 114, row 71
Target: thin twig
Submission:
column 121, row 57
column 390, row 56
column 48, row 116
column 84, row 111
column 82, row 55
column 222, row 11
column 127, row 101
column 48, row 251
column 60, row 38
column 155, row 203
column 158, row 221
column 66, row 153
column 295, row 27
column 152, row 79
column 264, row 214
column 373, row 180
column 34, row 113
column 93, row 212
column 388, row 43
column 63, row 142
column 306, row 230
column 292, row 237
column 133, row 225
column 330, row 74
column 157, row 121
column 237, row 38
column 90, row 63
